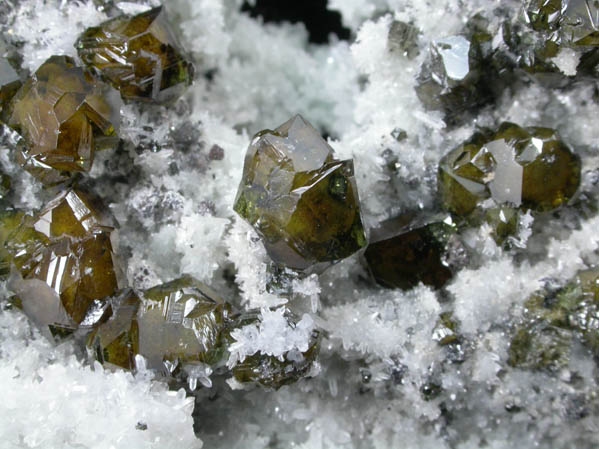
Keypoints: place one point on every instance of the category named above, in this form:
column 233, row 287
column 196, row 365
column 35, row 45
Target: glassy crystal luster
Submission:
column 529, row 168
column 59, row 111
column 411, row 249
column 299, row 198
column 138, row 55
column 64, row 260
column 9, row 84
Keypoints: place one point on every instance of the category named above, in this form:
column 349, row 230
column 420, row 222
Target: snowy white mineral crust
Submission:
column 172, row 184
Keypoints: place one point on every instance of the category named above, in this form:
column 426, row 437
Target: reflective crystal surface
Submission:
column 59, row 111
column 528, row 168
column 411, row 249
column 63, row 260
column 9, row 84
column 139, row 55
column 299, row 198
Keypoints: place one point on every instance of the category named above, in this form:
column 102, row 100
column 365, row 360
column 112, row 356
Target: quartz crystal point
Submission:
column 530, row 168
column 180, row 325
column 9, row 85
column 554, row 319
column 410, row 249
column 300, row 199
column 138, row 55
column 58, row 112
column 63, row 260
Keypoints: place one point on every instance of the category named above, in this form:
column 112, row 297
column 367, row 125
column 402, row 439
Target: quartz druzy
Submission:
column 530, row 168
column 180, row 322
column 139, row 55
column 553, row 319
column 299, row 198
column 410, row 249
column 59, row 111
column 62, row 260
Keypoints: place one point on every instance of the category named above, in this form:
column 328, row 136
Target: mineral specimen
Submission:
column 299, row 198
column 63, row 260
column 182, row 324
column 530, row 168
column 58, row 112
column 411, row 249
column 138, row 55
column 403, row 39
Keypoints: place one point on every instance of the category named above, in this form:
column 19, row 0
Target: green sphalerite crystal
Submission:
column 138, row 55
column 530, row 168
column 453, row 78
column 58, row 112
column 63, row 259
column 545, row 15
column 182, row 324
column 403, row 39
column 411, row 249
column 554, row 319
column 301, row 201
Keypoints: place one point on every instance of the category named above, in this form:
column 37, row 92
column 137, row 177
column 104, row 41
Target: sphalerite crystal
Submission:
column 552, row 321
column 138, row 55
column 182, row 324
column 59, row 111
column 529, row 168
column 410, row 249
column 62, row 260
column 299, row 198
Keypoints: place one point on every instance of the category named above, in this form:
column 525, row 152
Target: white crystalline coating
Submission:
column 454, row 51
column 273, row 336
column 567, row 61
column 506, row 186
column 50, row 399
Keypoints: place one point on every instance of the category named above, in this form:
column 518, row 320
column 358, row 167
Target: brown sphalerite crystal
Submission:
column 63, row 261
column 138, row 55
column 299, row 198
column 59, row 111
column 529, row 168
column 410, row 249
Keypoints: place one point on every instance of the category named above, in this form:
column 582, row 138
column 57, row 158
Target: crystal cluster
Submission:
column 138, row 55
column 59, row 112
column 10, row 82
column 299, row 198
column 554, row 320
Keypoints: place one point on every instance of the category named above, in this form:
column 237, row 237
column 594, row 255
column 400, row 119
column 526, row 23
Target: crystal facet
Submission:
column 407, row 250
column 58, row 112
column 302, row 201
column 9, row 84
column 64, row 260
column 138, row 55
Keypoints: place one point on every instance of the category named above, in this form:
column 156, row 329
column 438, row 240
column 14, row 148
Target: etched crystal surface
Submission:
column 299, row 198
column 138, row 55
column 59, row 111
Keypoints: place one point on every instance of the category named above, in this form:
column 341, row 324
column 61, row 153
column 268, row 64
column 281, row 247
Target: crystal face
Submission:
column 299, row 198
column 9, row 84
column 63, row 259
column 408, row 250
column 528, row 168
column 59, row 111
column 138, row 55
column 182, row 324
